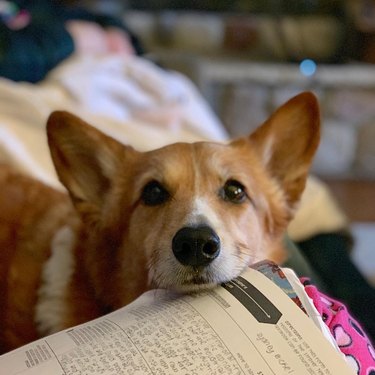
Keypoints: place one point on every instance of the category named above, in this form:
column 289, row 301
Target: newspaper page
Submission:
column 246, row 326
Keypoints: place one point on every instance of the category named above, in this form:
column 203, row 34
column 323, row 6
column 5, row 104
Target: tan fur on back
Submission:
column 30, row 213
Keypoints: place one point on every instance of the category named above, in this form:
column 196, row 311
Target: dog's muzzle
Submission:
column 196, row 246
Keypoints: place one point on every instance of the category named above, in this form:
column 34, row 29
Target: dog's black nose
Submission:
column 196, row 246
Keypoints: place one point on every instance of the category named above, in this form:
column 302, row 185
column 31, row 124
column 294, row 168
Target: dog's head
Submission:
column 188, row 216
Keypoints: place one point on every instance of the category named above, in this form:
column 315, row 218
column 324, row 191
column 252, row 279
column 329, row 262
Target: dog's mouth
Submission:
column 186, row 279
column 197, row 279
column 197, row 276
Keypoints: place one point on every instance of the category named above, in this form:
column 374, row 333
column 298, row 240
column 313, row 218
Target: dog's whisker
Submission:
column 242, row 251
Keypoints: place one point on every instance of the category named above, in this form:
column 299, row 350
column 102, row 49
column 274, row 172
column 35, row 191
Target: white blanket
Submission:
column 130, row 99
column 134, row 101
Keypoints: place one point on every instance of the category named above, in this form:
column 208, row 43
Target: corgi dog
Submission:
column 183, row 217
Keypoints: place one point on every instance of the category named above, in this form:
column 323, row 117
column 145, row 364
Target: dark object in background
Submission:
column 257, row 6
column 282, row 31
column 363, row 20
column 28, row 53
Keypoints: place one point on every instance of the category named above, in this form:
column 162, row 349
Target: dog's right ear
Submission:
column 287, row 142
column 86, row 160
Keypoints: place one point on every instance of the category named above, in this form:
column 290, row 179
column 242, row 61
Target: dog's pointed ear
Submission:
column 287, row 142
column 85, row 159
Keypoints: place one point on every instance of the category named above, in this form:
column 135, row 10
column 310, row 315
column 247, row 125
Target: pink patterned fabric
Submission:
column 350, row 337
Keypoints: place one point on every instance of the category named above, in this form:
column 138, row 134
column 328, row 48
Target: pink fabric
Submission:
column 347, row 332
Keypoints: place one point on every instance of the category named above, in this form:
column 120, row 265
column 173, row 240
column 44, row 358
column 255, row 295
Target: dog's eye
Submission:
column 154, row 193
column 233, row 191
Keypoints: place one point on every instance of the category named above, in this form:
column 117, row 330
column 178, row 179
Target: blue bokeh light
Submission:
column 307, row 67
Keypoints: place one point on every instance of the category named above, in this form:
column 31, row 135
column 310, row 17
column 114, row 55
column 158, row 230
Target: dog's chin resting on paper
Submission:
column 183, row 217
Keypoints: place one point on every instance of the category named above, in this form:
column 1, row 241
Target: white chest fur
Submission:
column 57, row 273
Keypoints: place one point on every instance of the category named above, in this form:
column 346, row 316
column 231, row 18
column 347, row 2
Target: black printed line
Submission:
column 55, row 356
column 253, row 299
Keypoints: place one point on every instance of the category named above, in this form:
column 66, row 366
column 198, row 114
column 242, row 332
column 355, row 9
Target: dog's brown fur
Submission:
column 122, row 246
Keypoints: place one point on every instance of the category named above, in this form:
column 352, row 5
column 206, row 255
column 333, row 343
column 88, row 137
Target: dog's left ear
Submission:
column 287, row 142
column 85, row 159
